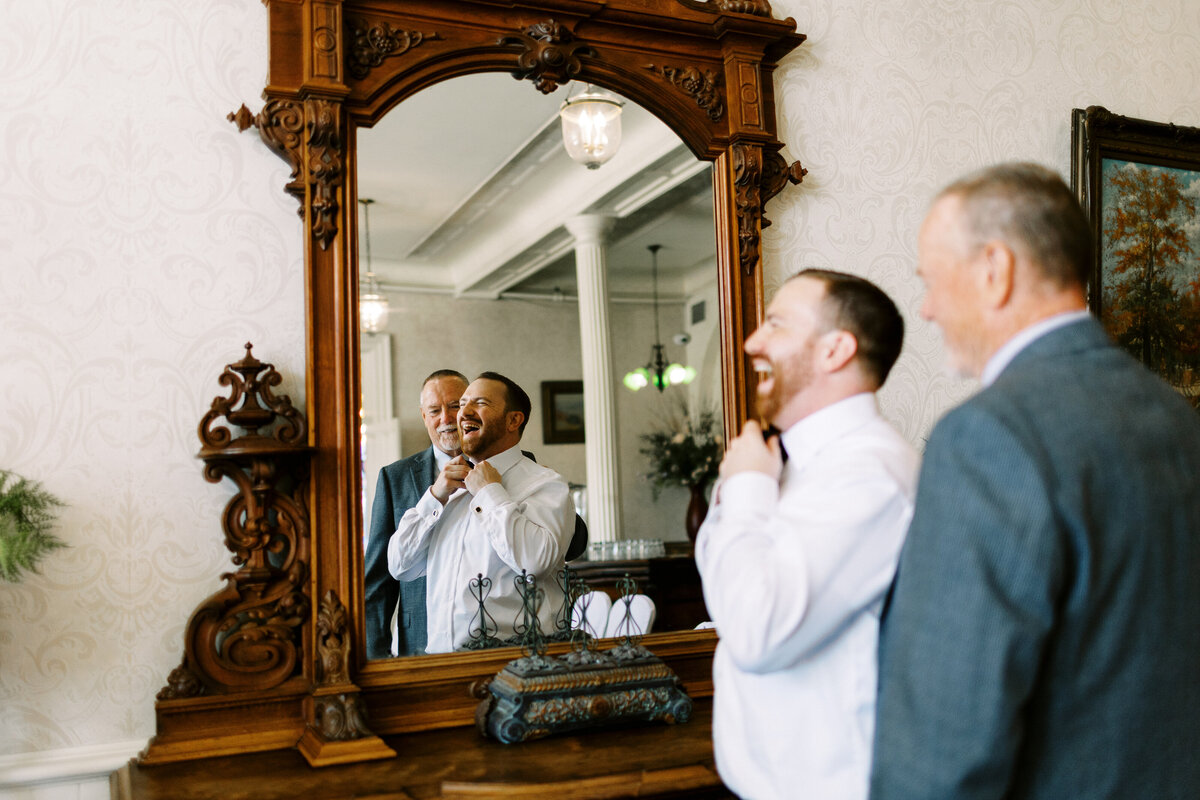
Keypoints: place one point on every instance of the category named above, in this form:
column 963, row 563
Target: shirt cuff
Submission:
column 428, row 505
column 749, row 493
column 489, row 497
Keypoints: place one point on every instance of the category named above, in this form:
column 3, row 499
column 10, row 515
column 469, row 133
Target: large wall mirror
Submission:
column 471, row 239
column 471, row 199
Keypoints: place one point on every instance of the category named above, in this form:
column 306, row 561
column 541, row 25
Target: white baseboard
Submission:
column 69, row 764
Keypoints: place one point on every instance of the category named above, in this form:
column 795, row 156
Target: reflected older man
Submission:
column 1041, row 641
column 395, row 618
column 492, row 511
column 795, row 556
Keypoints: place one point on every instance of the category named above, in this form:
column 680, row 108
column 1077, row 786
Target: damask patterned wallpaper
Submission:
column 143, row 241
column 888, row 102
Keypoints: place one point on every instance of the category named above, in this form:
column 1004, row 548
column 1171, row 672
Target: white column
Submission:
column 599, row 409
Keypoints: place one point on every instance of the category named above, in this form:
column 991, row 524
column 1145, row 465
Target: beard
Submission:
column 782, row 382
column 768, row 400
column 480, row 441
column 448, row 441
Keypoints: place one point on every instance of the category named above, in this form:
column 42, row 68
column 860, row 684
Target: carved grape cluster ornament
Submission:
column 551, row 55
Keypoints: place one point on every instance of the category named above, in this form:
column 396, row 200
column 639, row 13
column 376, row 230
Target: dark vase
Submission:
column 697, row 510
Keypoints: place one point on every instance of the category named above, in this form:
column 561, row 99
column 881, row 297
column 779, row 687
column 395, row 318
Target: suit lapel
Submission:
column 428, row 469
column 420, row 475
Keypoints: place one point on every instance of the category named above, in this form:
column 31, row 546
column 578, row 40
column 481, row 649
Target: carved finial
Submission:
column 796, row 173
column 243, row 118
column 777, row 173
column 251, row 405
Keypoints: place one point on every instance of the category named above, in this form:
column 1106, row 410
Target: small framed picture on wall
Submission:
column 562, row 412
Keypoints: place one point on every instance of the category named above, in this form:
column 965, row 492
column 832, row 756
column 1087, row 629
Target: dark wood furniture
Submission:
column 275, row 659
column 651, row 761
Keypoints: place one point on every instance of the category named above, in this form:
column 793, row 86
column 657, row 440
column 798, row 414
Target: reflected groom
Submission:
column 492, row 511
column 397, row 608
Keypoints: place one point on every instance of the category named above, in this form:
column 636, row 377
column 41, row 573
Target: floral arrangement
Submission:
column 685, row 452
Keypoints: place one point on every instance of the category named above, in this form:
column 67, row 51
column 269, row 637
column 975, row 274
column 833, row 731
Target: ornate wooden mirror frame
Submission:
column 268, row 661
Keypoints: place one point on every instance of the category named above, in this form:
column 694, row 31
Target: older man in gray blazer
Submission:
column 400, row 486
column 1043, row 636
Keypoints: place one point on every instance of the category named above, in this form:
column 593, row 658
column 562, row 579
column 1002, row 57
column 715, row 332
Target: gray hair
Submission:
column 1030, row 208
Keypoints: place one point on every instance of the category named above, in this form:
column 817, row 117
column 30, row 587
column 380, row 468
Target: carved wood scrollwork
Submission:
column 703, row 87
column 372, row 42
column 337, row 717
column 757, row 177
column 247, row 636
column 326, row 163
column 777, row 173
column 337, row 723
column 759, row 8
column 551, row 55
column 281, row 124
column 747, row 185
column 333, row 646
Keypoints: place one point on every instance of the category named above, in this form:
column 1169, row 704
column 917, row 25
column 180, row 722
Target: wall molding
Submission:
column 68, row 764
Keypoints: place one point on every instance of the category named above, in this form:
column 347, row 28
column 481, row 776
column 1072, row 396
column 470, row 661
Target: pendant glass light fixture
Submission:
column 591, row 126
column 372, row 303
column 657, row 372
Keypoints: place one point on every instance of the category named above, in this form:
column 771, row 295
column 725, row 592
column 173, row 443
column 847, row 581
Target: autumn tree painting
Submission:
column 1151, row 269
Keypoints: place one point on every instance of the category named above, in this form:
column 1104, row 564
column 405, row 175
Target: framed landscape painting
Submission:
column 1139, row 182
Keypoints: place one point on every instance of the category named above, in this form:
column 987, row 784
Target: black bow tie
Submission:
column 773, row 431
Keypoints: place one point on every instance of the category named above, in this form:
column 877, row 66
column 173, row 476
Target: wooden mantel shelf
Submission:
column 660, row 761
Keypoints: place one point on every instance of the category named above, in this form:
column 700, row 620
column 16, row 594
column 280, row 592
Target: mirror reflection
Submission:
column 496, row 252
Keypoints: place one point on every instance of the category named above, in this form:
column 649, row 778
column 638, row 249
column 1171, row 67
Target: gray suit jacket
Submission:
column 1043, row 635
column 400, row 486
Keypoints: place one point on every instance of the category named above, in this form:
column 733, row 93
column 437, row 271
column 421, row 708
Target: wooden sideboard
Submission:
column 654, row 761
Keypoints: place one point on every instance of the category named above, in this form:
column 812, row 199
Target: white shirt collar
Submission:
column 1004, row 356
column 829, row 423
column 504, row 459
column 440, row 459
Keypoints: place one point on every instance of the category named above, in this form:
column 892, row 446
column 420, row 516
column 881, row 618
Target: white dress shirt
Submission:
column 794, row 575
column 525, row 522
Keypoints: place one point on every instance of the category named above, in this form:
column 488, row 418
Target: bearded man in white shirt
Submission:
column 492, row 511
column 801, row 545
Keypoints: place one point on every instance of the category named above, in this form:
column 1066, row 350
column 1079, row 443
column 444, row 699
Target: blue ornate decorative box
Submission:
column 538, row 695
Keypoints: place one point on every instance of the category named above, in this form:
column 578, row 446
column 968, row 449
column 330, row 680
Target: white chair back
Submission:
column 637, row 622
column 590, row 613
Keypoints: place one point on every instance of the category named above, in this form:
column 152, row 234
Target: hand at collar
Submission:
column 749, row 453
column 451, row 479
column 479, row 477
